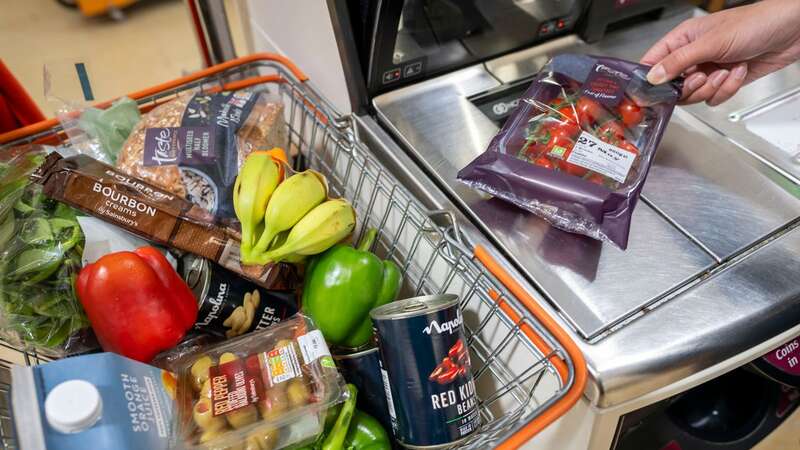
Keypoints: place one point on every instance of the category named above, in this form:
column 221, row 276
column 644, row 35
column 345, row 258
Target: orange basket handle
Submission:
column 565, row 403
column 45, row 125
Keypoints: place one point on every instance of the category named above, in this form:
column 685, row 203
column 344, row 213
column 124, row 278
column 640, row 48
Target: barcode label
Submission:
column 388, row 390
column 601, row 157
column 313, row 346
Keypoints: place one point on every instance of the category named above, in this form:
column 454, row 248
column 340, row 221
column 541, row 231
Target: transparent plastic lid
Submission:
column 266, row 389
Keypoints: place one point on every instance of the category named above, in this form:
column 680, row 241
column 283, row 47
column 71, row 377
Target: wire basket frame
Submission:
column 515, row 380
column 433, row 259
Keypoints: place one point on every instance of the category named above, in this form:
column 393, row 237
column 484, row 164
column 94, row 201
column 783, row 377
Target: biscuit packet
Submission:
column 152, row 213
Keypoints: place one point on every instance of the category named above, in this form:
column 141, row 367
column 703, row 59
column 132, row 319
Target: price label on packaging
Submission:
column 601, row 157
column 313, row 346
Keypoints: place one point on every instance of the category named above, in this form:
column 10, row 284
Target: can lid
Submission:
column 354, row 355
column 195, row 273
column 73, row 406
column 415, row 306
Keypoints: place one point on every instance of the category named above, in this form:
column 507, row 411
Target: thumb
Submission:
column 693, row 53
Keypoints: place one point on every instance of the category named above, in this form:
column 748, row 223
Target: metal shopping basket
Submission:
column 527, row 370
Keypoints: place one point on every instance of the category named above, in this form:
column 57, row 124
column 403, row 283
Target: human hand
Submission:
column 721, row 52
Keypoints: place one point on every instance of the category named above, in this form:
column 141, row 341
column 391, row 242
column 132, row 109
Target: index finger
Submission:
column 671, row 41
column 656, row 53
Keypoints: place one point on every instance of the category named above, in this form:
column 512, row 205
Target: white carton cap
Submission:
column 73, row 406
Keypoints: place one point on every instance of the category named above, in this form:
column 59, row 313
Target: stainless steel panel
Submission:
column 686, row 329
column 435, row 115
column 741, row 307
column 721, row 196
column 631, row 43
column 702, row 179
column 723, row 199
column 596, row 286
column 525, row 63
column 751, row 103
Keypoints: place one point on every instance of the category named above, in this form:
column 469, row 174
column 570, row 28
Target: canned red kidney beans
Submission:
column 430, row 390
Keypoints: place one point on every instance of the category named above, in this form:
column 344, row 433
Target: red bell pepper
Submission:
column 136, row 303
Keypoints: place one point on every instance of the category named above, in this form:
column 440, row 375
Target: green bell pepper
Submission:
column 347, row 428
column 336, row 436
column 342, row 285
column 366, row 433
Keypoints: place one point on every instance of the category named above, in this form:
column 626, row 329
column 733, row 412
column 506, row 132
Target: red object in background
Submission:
column 137, row 304
column 199, row 32
column 673, row 445
column 17, row 109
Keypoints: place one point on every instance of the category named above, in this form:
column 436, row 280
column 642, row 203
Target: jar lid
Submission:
column 73, row 406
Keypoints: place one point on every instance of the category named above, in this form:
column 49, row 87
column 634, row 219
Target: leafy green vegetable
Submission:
column 24, row 208
column 41, row 245
column 15, row 167
column 35, row 264
column 35, row 230
column 6, row 230
column 111, row 126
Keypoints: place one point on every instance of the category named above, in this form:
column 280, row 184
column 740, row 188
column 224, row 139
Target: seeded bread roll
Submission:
column 131, row 157
column 263, row 128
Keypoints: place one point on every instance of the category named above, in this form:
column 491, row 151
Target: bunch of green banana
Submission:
column 252, row 190
column 317, row 231
column 293, row 199
column 290, row 220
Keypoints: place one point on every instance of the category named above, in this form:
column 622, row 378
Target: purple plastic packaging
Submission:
column 569, row 153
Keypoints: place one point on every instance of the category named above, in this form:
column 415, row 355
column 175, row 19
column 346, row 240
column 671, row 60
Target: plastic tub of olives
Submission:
column 265, row 390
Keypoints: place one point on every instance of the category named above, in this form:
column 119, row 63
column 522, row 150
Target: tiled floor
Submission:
column 152, row 44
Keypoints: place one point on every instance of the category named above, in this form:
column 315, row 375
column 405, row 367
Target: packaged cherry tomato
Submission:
column 577, row 149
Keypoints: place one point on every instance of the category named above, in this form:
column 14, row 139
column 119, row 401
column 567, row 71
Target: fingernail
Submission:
column 657, row 75
column 718, row 78
column 695, row 81
column 739, row 72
